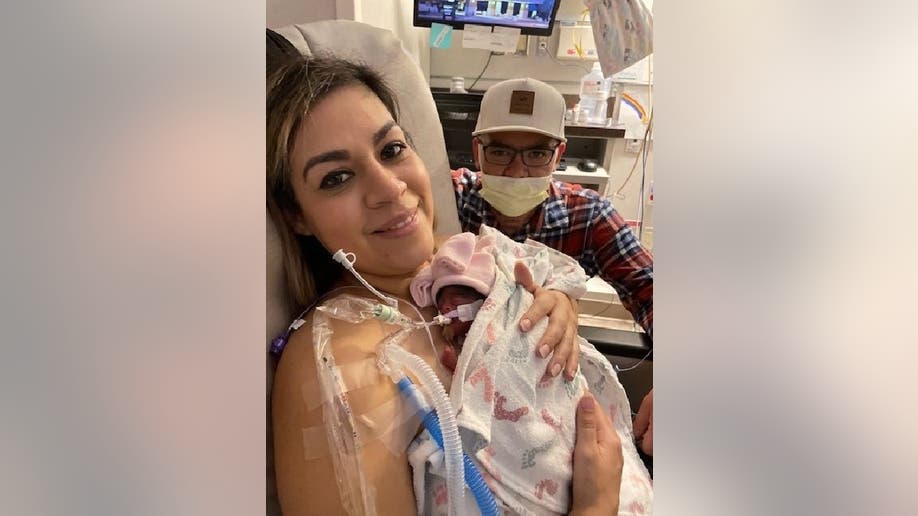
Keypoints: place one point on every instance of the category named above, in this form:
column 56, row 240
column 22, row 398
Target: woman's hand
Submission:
column 560, row 338
column 597, row 462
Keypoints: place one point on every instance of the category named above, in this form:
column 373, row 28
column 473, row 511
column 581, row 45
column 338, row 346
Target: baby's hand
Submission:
column 560, row 338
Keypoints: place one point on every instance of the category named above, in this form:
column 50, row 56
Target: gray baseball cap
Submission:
column 527, row 105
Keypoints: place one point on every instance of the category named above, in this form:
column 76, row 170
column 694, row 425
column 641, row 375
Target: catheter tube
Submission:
column 452, row 446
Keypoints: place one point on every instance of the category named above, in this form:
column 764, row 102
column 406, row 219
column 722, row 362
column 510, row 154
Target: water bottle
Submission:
column 458, row 85
column 594, row 90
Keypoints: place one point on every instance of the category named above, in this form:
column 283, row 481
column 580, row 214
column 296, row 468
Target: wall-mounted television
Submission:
column 533, row 17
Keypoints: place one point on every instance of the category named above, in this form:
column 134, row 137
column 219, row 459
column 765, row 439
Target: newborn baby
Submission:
column 460, row 303
column 457, row 281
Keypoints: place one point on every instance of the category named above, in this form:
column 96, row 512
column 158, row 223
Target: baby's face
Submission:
column 451, row 296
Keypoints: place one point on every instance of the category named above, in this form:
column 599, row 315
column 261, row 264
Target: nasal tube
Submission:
column 480, row 490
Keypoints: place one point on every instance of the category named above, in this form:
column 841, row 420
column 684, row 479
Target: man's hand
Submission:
column 643, row 425
column 598, row 462
column 560, row 338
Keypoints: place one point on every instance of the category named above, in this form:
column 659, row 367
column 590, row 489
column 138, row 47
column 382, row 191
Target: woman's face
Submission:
column 360, row 186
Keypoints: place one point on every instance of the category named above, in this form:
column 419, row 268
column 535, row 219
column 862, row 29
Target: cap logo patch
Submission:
column 522, row 102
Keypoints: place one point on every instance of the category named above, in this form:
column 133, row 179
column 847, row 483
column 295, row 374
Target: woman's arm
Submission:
column 305, row 474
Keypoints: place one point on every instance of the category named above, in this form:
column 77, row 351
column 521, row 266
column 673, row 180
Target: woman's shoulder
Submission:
column 350, row 341
column 296, row 384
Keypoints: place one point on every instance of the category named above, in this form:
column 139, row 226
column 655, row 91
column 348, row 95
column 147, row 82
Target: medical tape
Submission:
column 354, row 375
column 355, row 492
column 371, row 426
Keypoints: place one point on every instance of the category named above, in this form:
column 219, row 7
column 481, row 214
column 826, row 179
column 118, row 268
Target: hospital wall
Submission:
column 279, row 13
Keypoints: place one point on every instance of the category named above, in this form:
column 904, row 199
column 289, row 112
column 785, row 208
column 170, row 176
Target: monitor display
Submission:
column 533, row 17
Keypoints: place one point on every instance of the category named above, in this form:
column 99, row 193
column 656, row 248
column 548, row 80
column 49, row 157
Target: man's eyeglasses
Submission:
column 535, row 157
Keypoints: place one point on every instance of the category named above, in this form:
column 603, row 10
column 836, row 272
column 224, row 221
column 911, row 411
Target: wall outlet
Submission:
column 542, row 46
column 633, row 145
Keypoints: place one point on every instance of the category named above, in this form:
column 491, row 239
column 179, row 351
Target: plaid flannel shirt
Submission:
column 582, row 224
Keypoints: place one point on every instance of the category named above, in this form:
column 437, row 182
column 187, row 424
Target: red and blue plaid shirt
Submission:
column 582, row 224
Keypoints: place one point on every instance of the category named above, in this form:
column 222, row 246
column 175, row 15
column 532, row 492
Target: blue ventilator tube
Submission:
column 483, row 496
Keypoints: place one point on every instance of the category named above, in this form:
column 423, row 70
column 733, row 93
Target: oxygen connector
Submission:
column 390, row 315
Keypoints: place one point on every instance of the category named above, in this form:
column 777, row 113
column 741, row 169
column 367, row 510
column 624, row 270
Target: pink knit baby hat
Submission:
column 461, row 260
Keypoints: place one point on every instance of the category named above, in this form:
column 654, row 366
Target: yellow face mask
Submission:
column 514, row 196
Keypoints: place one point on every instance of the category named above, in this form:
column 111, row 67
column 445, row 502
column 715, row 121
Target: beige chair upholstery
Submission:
column 418, row 115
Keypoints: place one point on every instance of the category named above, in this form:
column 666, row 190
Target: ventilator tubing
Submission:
column 480, row 490
column 452, row 447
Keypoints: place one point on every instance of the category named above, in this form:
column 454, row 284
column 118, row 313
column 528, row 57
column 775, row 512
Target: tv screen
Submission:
column 531, row 16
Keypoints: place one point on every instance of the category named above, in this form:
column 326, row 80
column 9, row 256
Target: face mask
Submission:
column 514, row 196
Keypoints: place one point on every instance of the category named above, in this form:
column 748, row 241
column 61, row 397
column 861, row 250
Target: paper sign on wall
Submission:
column 476, row 36
column 504, row 39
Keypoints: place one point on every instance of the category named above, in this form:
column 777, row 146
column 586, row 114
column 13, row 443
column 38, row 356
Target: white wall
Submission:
column 628, row 207
column 397, row 16
column 287, row 12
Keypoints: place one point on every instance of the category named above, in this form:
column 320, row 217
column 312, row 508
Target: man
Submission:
column 517, row 143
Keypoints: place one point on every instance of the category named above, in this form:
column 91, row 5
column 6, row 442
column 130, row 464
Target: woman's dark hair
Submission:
column 278, row 50
column 294, row 87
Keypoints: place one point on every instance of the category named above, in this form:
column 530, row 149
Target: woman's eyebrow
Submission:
column 383, row 131
column 343, row 155
column 335, row 155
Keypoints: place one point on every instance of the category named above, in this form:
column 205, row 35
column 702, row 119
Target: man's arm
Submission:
column 623, row 262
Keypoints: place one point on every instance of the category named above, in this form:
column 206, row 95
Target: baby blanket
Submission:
column 516, row 423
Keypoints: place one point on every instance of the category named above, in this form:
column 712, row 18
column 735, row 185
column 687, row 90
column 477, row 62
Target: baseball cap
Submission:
column 526, row 105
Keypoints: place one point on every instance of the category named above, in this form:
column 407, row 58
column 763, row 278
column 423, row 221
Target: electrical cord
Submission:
column 490, row 55
column 647, row 131
column 646, row 151
column 640, row 154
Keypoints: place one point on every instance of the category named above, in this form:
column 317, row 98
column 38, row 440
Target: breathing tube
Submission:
column 480, row 490
column 393, row 359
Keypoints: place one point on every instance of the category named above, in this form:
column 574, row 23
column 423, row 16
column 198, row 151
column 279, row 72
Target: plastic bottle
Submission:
column 594, row 90
column 458, row 85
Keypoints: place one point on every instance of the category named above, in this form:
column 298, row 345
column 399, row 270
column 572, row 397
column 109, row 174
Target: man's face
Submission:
column 536, row 144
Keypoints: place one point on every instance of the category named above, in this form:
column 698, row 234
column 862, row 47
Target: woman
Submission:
column 341, row 174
